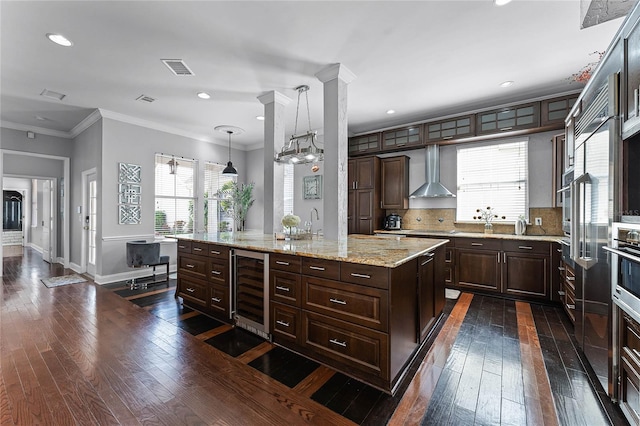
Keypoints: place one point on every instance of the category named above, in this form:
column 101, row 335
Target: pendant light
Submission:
column 173, row 166
column 229, row 130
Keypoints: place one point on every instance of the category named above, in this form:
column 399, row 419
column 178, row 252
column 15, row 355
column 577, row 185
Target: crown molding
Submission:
column 86, row 123
column 35, row 129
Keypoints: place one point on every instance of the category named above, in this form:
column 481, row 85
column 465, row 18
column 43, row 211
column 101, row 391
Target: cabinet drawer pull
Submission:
column 426, row 261
column 282, row 323
column 561, row 293
column 182, row 247
column 191, row 290
column 279, row 262
column 188, row 265
column 571, row 278
column 477, row 244
column 559, row 250
column 216, row 272
column 316, row 268
column 216, row 299
column 525, row 247
column 279, row 287
column 570, row 306
column 338, row 301
column 337, row 342
column 447, row 138
column 561, row 268
column 636, row 102
column 197, row 249
column 504, row 129
column 353, row 274
column 216, row 252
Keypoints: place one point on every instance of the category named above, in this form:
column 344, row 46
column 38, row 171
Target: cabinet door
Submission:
column 219, row 301
column 395, row 182
column 364, row 144
column 554, row 111
column 479, row 269
column 365, row 172
column 629, row 344
column 507, row 119
column 454, row 128
column 525, row 274
column 449, row 266
column 351, row 213
column 404, row 137
column 365, row 212
column 631, row 81
column 426, row 302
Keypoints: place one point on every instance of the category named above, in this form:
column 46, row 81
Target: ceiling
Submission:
column 423, row 59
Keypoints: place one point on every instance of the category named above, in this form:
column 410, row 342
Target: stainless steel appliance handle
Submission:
column 579, row 224
column 622, row 254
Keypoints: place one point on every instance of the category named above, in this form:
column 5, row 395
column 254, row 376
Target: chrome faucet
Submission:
column 317, row 218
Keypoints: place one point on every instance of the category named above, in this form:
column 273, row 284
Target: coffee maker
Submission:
column 393, row 222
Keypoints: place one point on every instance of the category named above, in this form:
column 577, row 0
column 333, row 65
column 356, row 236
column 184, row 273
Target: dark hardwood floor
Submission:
column 89, row 354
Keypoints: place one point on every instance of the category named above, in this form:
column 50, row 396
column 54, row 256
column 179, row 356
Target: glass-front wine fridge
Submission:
column 251, row 284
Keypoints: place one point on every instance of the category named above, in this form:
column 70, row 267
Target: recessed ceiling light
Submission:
column 260, row 117
column 501, row 2
column 506, row 83
column 391, row 111
column 204, row 95
column 59, row 39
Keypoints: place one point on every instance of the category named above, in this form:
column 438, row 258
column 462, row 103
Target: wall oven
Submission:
column 625, row 267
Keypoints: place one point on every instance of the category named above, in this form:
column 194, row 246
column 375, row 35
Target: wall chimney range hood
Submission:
column 432, row 188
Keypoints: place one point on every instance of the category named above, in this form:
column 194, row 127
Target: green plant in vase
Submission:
column 239, row 201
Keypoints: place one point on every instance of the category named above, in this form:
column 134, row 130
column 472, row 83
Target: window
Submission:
column 216, row 214
column 493, row 175
column 175, row 195
column 288, row 188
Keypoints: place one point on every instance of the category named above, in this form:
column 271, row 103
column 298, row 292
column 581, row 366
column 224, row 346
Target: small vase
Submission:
column 488, row 228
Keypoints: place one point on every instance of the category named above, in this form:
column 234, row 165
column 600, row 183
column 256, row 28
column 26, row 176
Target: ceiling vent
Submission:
column 178, row 67
column 53, row 95
column 145, row 98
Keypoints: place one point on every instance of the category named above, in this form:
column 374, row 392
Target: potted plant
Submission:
column 240, row 198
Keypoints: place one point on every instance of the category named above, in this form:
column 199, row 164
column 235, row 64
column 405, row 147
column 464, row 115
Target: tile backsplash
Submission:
column 445, row 220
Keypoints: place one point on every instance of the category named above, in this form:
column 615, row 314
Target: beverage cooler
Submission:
column 251, row 288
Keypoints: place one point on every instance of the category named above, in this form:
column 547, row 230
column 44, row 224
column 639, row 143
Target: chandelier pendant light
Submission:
column 301, row 148
column 229, row 130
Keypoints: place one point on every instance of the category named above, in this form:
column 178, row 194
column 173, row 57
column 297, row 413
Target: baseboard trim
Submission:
column 123, row 276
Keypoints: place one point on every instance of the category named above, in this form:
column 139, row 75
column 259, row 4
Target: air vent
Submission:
column 178, row 67
column 145, row 98
column 53, row 95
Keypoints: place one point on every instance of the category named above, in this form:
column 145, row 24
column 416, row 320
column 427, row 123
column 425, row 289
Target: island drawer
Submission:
column 192, row 290
column 541, row 247
column 193, row 265
column 374, row 276
column 184, row 246
column 356, row 304
column 479, row 243
column 322, row 268
column 286, row 287
column 199, row 248
column 285, row 322
column 218, row 252
column 219, row 300
column 283, row 262
column 357, row 347
column 219, row 271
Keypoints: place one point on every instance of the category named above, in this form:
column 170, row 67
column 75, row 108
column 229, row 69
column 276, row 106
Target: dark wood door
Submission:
column 426, row 291
column 351, row 213
column 395, row 182
column 479, row 269
column 366, row 170
column 525, row 274
column 365, row 205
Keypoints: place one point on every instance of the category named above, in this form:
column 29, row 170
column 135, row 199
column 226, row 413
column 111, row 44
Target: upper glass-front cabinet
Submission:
column 453, row 128
column 555, row 111
column 398, row 138
column 631, row 81
column 507, row 119
column 364, row 144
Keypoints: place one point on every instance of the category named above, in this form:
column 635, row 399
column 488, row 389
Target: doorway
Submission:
column 90, row 221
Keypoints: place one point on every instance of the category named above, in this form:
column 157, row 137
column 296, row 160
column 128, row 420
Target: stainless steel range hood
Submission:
column 432, row 188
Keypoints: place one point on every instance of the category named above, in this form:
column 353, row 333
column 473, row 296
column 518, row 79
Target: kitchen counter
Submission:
column 362, row 249
column 449, row 234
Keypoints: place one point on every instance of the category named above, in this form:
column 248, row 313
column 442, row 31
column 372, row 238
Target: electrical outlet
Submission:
column 538, row 221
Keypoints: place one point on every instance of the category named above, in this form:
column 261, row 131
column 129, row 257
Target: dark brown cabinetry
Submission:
column 508, row 119
column 395, row 182
column 364, row 210
column 629, row 362
column 631, row 80
column 203, row 278
column 568, row 292
column 478, row 263
column 554, row 111
column 525, row 268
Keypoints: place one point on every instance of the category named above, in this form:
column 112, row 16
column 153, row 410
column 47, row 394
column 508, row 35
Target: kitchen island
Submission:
column 363, row 305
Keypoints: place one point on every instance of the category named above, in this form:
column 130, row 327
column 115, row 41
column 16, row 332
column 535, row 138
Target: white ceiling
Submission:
column 424, row 59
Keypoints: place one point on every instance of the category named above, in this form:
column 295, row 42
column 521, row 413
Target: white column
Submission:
column 274, row 130
column 335, row 78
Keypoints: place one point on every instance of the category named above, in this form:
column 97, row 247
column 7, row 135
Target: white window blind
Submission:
column 493, row 176
column 175, row 195
column 216, row 215
column 288, row 188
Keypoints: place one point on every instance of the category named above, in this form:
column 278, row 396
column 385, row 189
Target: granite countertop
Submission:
column 384, row 251
column 449, row 234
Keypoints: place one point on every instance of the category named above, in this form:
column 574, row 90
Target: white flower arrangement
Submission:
column 290, row 220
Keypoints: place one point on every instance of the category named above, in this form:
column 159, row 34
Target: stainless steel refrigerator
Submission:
column 597, row 132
